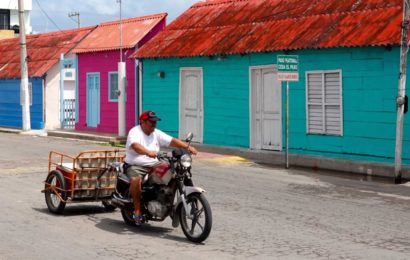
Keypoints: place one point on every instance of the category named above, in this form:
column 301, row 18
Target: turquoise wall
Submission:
column 369, row 87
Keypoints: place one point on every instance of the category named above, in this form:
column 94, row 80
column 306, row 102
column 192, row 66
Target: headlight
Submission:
column 186, row 160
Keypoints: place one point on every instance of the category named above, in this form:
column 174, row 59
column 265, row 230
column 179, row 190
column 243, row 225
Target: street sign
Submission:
column 288, row 70
column 288, row 67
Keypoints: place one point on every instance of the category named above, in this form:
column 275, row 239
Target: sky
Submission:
column 93, row 12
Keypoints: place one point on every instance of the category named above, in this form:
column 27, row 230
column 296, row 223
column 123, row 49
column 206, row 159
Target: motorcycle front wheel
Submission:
column 197, row 222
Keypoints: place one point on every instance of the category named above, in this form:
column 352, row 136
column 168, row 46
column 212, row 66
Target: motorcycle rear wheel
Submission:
column 127, row 217
column 198, row 227
column 55, row 192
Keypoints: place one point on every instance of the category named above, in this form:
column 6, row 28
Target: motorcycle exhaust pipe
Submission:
column 119, row 202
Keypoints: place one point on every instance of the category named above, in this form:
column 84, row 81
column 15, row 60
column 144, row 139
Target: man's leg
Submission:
column 135, row 189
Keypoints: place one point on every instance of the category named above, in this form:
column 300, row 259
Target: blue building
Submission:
column 46, row 86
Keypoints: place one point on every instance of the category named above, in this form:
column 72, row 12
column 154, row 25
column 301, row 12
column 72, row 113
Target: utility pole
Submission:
column 121, row 85
column 24, row 95
column 401, row 92
column 77, row 14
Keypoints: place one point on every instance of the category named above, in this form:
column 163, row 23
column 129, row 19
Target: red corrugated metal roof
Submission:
column 43, row 51
column 106, row 36
column 247, row 26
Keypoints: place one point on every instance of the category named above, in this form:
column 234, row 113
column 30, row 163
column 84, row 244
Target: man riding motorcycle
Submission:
column 143, row 144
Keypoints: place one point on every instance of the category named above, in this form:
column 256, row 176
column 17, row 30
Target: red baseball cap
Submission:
column 149, row 115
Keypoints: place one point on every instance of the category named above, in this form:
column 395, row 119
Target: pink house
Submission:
column 98, row 56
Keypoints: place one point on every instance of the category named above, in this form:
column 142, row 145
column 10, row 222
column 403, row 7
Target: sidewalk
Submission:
column 259, row 156
column 91, row 136
column 19, row 131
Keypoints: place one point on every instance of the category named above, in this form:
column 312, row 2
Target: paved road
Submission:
column 259, row 212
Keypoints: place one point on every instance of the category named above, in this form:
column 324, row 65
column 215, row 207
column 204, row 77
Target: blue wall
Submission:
column 369, row 87
column 10, row 108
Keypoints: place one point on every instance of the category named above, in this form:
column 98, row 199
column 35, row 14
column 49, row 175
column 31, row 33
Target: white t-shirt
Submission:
column 152, row 142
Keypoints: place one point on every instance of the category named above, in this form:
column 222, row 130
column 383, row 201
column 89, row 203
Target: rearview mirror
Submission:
column 189, row 137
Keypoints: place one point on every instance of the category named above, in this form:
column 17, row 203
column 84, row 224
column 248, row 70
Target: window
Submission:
column 324, row 113
column 4, row 19
column 112, row 86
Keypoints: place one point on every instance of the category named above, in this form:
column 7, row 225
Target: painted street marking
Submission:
column 382, row 194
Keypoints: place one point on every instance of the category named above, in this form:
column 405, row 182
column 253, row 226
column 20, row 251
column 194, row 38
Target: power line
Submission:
column 47, row 15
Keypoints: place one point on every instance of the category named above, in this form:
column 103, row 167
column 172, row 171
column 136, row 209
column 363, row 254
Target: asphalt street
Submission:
column 259, row 212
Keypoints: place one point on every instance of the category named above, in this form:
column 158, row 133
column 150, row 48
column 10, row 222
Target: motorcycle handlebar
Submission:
column 162, row 155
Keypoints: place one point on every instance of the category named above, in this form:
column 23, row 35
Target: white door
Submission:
column 266, row 103
column 191, row 108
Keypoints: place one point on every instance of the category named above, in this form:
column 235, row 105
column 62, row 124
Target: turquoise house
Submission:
column 213, row 72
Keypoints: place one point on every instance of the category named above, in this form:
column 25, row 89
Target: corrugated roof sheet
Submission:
column 106, row 36
column 43, row 51
column 247, row 26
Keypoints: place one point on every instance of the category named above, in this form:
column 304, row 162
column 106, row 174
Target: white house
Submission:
column 9, row 18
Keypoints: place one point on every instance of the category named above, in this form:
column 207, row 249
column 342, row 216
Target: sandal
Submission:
column 139, row 219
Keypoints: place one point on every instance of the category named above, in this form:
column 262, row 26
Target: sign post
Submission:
column 288, row 70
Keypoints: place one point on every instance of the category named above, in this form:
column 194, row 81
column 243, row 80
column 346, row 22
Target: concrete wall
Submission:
column 369, row 85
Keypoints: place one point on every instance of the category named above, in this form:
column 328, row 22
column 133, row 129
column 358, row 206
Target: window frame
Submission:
column 109, row 86
column 6, row 13
column 323, row 104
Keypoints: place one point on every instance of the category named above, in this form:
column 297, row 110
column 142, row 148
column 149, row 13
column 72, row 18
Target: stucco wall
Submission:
column 52, row 98
column 52, row 95
column 369, row 76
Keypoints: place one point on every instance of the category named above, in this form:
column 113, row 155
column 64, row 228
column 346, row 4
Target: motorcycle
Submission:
column 167, row 190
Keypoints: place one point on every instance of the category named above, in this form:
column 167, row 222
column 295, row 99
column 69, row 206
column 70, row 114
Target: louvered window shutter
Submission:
column 324, row 103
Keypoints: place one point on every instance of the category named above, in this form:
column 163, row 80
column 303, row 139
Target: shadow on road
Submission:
column 120, row 228
column 75, row 210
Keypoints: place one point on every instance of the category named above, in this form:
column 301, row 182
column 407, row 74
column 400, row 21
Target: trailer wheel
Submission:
column 55, row 192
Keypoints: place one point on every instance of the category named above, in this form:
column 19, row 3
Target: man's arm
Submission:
column 140, row 149
column 180, row 144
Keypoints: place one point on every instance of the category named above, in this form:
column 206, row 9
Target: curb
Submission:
column 35, row 132
column 310, row 162
column 10, row 130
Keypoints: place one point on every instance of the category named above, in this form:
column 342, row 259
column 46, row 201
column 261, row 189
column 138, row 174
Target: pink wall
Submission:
column 103, row 63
